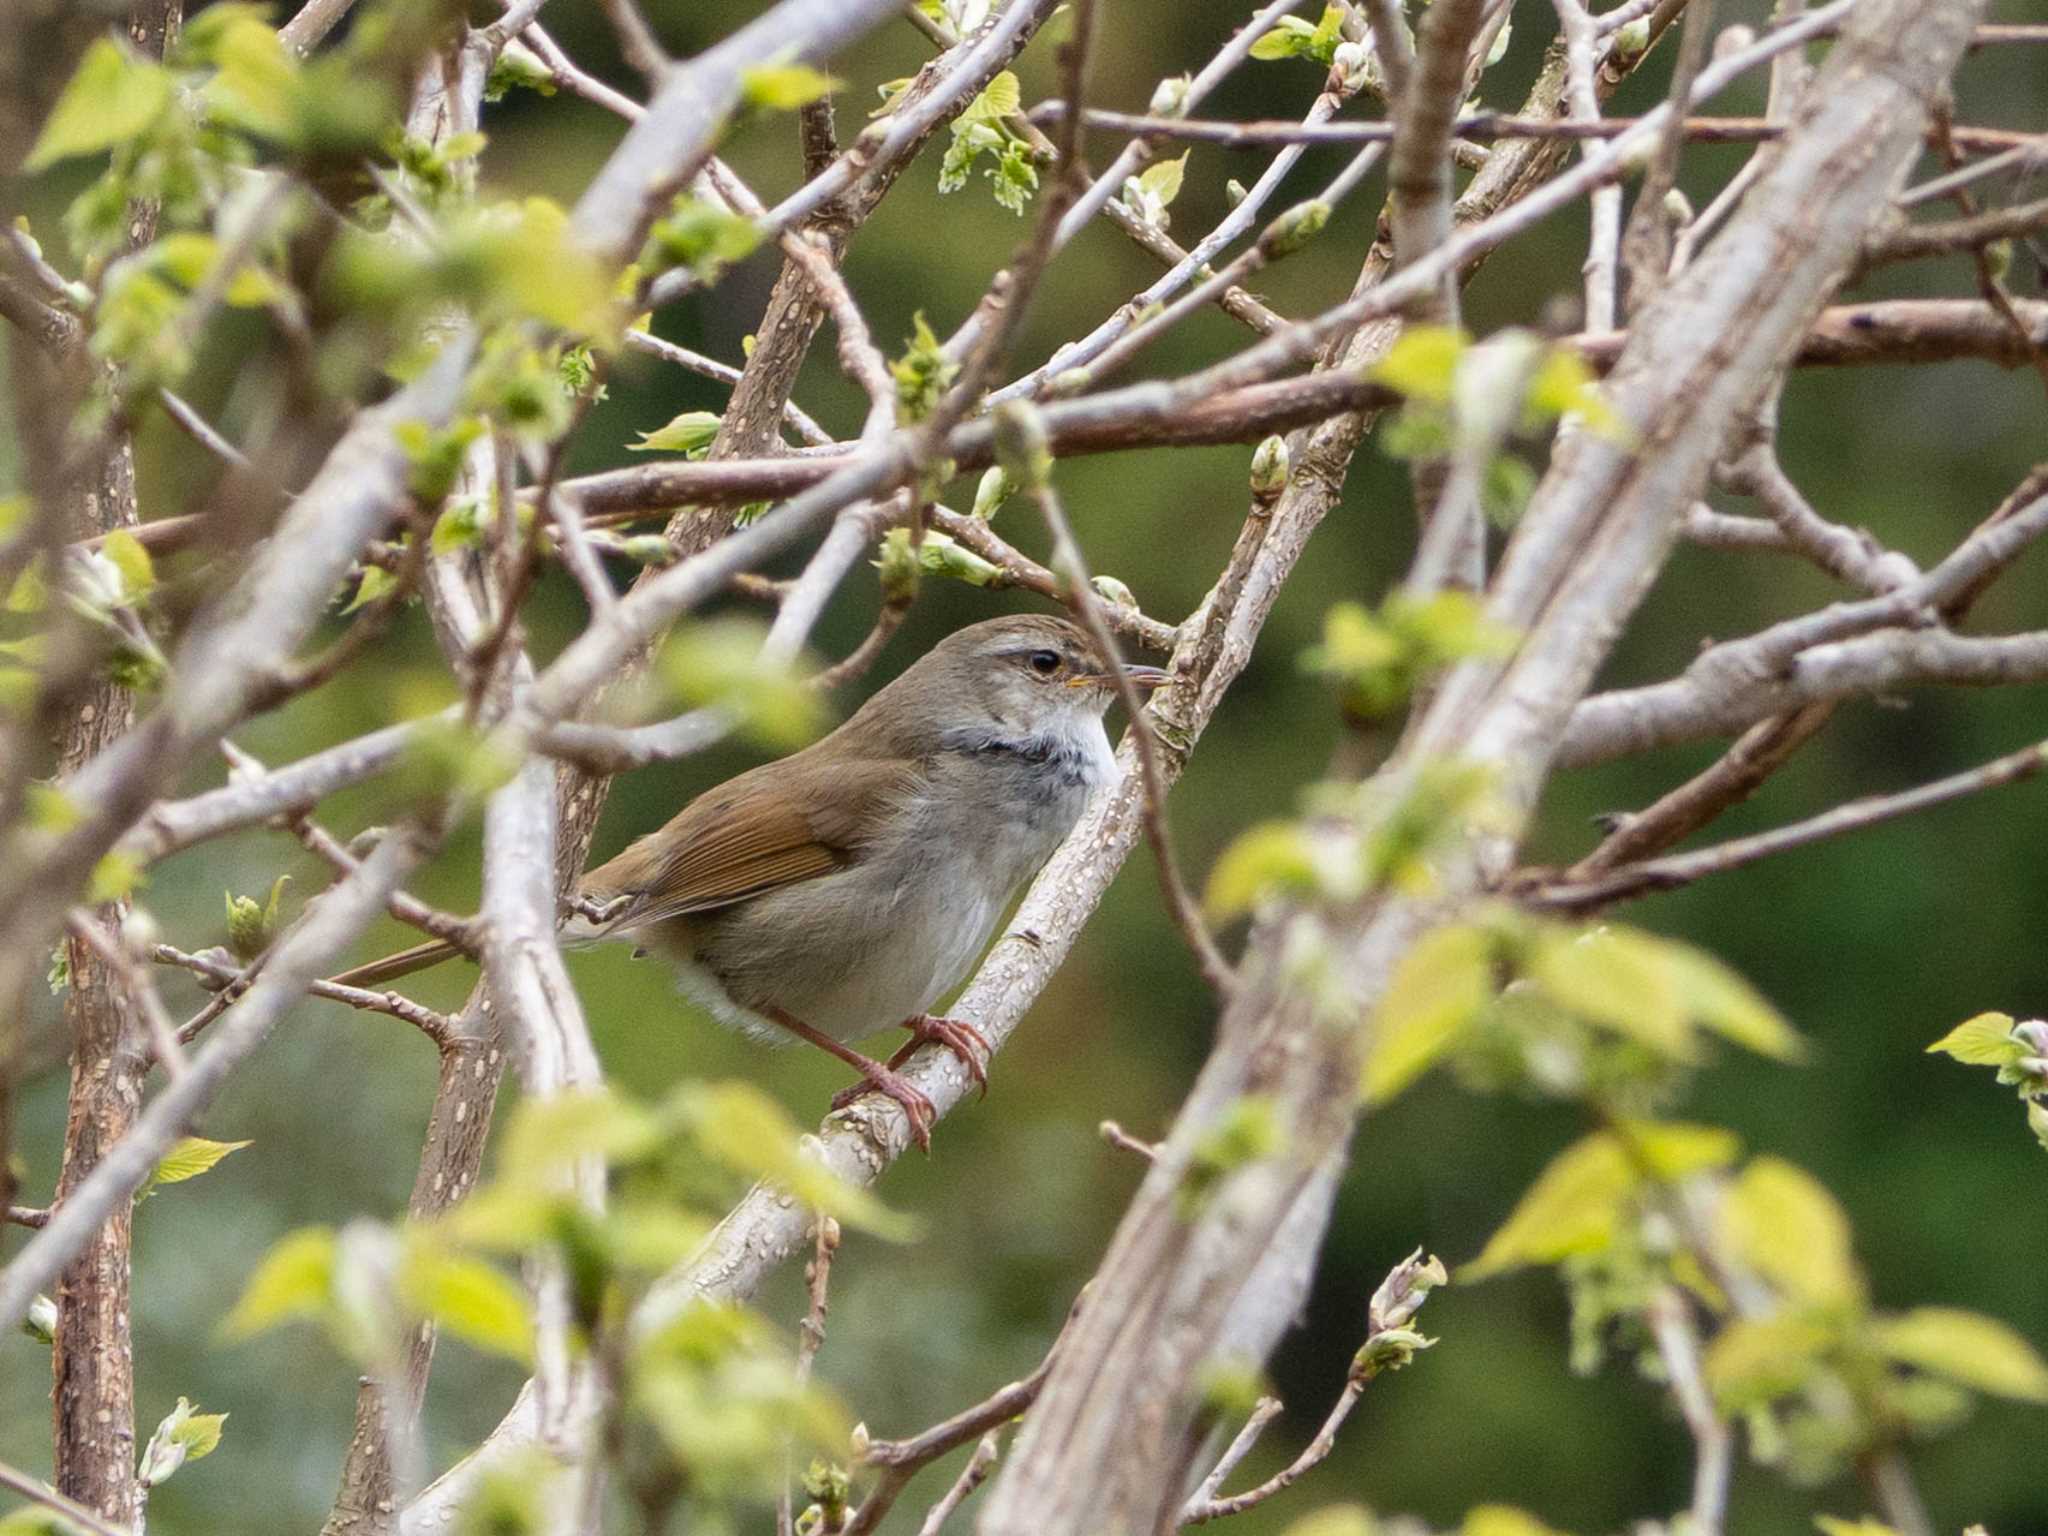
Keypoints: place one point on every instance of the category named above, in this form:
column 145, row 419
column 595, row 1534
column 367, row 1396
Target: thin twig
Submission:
column 1264, row 1412
column 1312, row 1455
column 233, row 981
column 971, row 1477
column 69, row 1510
column 1080, row 597
column 810, row 1339
column 118, row 958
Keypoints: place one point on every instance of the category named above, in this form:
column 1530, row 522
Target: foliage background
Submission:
column 1873, row 945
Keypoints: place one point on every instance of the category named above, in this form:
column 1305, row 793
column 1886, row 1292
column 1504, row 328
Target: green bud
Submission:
column 1295, row 228
column 1021, row 445
column 1387, row 1351
column 1632, row 39
column 1170, row 96
column 648, row 549
column 1234, row 192
column 1678, row 207
column 898, row 567
column 41, row 1322
column 1406, row 1287
column 1113, row 592
column 991, row 493
column 1270, row 468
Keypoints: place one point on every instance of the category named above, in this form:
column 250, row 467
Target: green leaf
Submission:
column 703, row 237
column 294, row 1279
column 1783, row 1223
column 921, row 373
column 1671, row 1149
column 1719, row 999
column 1756, row 1360
column 1438, row 988
column 1968, row 1348
column 185, row 1434
column 1832, row 1526
column 1570, row 1209
column 138, row 573
column 114, row 878
column 1290, row 37
column 258, row 87
column 1001, row 97
column 189, row 1157
column 719, row 662
column 1985, row 1040
column 546, row 1135
column 688, row 434
column 1422, row 362
column 1564, row 385
column 1619, row 978
column 785, row 87
column 1163, row 178
column 1247, row 1131
column 1270, row 857
column 1503, row 1520
column 470, row 1299
column 375, row 583
column 113, row 96
column 738, row 1126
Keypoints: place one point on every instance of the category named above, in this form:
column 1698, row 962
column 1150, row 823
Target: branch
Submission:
column 326, row 929
column 1628, row 881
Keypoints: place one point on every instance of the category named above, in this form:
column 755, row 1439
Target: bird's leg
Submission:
column 957, row 1036
column 917, row 1109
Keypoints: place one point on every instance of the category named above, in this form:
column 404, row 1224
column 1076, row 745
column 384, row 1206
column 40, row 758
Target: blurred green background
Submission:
column 1873, row 945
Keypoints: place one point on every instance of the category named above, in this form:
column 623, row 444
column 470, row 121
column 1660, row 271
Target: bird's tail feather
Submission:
column 391, row 967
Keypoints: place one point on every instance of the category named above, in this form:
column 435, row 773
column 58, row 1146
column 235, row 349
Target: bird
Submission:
column 848, row 887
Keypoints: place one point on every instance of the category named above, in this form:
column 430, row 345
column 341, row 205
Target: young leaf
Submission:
column 1163, row 178
column 138, row 574
column 1440, row 985
column 1422, row 362
column 1785, row 1225
column 113, row 96
column 184, row 1435
column 376, row 581
column 1272, row 856
column 1966, row 1347
column 189, row 1157
column 1619, row 978
column 1754, row 1360
column 688, row 434
column 1503, row 1520
column 1830, row 1525
column 1571, row 1208
column 1985, row 1040
column 295, row 1279
column 1719, row 999
column 785, row 87
column 998, row 99
column 737, row 1125
column 470, row 1299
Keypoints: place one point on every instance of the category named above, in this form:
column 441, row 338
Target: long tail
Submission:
column 404, row 963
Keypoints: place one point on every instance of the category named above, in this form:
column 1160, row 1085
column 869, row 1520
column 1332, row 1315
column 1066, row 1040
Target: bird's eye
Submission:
column 1045, row 663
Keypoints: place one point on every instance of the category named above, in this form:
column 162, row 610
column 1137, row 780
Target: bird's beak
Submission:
column 1146, row 678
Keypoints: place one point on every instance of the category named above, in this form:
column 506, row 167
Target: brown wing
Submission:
column 770, row 827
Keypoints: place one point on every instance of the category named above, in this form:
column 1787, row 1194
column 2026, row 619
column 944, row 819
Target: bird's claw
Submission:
column 916, row 1107
column 957, row 1036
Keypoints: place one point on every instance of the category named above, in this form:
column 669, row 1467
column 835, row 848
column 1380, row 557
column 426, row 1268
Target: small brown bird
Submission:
column 848, row 887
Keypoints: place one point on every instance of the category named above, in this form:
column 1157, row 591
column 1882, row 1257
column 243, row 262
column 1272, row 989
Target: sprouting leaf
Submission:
column 922, row 372
column 1571, row 1208
column 1564, row 385
column 1783, row 1223
column 1985, row 1040
column 138, row 574
column 546, row 1135
column 1270, row 857
column 1293, row 38
column 688, row 434
column 294, row 1279
column 470, row 1299
column 1719, row 999
column 704, row 238
column 1438, row 988
column 1162, row 179
column 1966, row 1347
column 1754, row 1360
column 114, row 878
column 185, row 1434
column 719, row 662
column 375, row 583
column 1671, row 1149
column 1001, row 97
column 1503, row 1520
column 1423, row 362
column 937, row 554
column 189, row 1157
column 251, row 926
column 113, row 96
column 1619, row 978
column 785, row 87
column 737, row 1125
column 1831, row 1525
column 1247, row 1131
